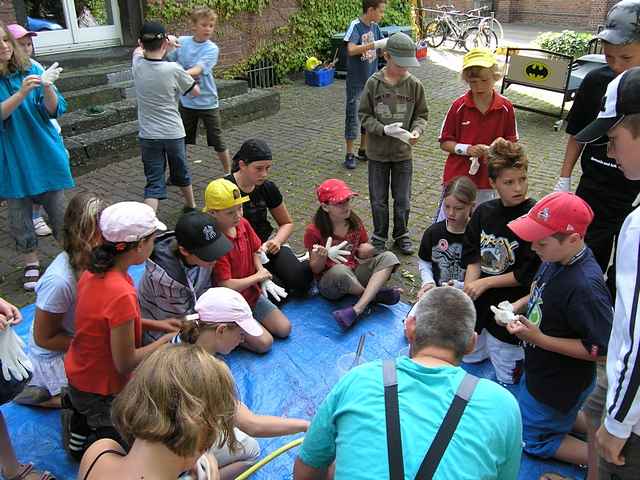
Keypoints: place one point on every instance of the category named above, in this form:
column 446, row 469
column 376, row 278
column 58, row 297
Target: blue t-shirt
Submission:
column 567, row 301
column 360, row 68
column 205, row 54
column 33, row 159
column 349, row 426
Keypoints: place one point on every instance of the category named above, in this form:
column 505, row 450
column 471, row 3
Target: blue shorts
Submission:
column 262, row 308
column 544, row 427
column 156, row 154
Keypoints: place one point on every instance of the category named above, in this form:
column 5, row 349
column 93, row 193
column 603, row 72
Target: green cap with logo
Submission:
column 402, row 50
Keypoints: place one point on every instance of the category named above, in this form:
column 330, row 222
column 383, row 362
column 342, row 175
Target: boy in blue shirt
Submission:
column 363, row 38
column 198, row 55
column 566, row 329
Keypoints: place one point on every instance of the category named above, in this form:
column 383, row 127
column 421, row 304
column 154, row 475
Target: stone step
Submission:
column 78, row 79
column 100, row 145
column 119, row 90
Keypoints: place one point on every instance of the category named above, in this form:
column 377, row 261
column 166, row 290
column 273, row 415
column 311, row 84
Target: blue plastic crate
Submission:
column 319, row 78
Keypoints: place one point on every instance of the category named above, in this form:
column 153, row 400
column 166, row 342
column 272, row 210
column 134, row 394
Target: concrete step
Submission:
column 118, row 90
column 93, row 57
column 78, row 79
column 100, row 144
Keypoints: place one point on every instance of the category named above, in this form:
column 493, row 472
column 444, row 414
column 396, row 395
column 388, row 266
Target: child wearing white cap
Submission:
column 223, row 318
column 107, row 347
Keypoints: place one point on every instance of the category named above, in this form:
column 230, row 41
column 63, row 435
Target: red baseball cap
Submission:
column 334, row 191
column 559, row 212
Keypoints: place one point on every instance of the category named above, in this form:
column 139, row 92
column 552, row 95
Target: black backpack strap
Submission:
column 392, row 414
column 448, row 427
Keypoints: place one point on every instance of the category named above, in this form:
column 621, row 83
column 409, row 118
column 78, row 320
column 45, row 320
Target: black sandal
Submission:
column 31, row 275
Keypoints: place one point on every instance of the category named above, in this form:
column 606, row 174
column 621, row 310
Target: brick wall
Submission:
column 243, row 34
column 7, row 11
column 578, row 14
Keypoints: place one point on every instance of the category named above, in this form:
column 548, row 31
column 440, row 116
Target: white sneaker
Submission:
column 41, row 227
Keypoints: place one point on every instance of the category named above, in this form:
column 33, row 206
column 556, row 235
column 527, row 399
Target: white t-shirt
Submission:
column 56, row 293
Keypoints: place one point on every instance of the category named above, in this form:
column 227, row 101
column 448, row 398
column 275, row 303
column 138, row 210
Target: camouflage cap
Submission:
column 623, row 23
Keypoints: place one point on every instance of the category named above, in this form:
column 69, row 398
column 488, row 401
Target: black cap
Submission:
column 622, row 98
column 253, row 150
column 198, row 234
column 152, row 31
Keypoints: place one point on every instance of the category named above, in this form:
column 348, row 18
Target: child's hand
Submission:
column 271, row 246
column 365, row 250
column 478, row 150
column 318, row 253
column 476, row 288
column 522, row 328
column 425, row 288
column 415, row 136
column 30, row 82
column 173, row 42
column 9, row 314
column 262, row 274
column 335, row 252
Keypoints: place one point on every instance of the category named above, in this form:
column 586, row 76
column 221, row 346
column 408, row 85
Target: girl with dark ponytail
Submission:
column 107, row 343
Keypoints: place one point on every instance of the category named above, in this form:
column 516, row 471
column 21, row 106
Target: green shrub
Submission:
column 566, row 42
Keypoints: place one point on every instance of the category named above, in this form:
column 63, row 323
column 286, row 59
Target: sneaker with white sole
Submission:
column 41, row 227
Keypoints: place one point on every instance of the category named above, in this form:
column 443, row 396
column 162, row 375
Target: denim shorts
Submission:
column 156, row 154
column 262, row 308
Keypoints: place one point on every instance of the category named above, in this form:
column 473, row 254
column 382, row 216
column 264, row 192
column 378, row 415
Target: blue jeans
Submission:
column 398, row 176
column 155, row 156
column 351, row 123
column 21, row 218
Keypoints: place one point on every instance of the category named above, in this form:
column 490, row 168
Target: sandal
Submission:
column 31, row 275
column 26, row 472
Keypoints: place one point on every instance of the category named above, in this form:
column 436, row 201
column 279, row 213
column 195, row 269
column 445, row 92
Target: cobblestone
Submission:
column 307, row 141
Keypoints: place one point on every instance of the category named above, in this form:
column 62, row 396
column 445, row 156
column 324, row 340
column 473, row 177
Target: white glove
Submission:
column 395, row 130
column 276, row 291
column 475, row 165
column 335, row 252
column 382, row 43
column 51, row 74
column 15, row 363
column 563, row 185
column 504, row 313
column 453, row 283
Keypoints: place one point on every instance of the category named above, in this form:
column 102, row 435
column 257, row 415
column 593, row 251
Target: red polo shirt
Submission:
column 464, row 123
column 354, row 238
column 238, row 262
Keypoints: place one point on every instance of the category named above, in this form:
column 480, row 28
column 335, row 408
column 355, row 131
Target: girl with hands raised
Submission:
column 342, row 258
column 33, row 155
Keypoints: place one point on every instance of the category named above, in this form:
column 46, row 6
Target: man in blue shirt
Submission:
column 349, row 427
column 363, row 38
column 566, row 329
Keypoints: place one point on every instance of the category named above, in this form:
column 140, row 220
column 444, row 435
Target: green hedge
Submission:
column 566, row 42
column 307, row 33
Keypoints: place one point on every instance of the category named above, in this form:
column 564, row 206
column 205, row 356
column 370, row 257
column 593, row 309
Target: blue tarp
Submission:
column 290, row 380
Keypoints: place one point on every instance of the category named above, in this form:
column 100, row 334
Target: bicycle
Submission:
column 446, row 27
column 495, row 24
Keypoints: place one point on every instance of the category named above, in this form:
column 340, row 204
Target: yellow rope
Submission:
column 276, row 453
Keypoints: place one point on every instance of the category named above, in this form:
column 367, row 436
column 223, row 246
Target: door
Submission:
column 65, row 25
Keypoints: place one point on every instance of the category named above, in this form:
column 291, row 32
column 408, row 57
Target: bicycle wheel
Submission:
column 474, row 37
column 496, row 26
column 434, row 34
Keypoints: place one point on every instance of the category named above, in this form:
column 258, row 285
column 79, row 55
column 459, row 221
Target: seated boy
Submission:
column 566, row 329
column 179, row 271
column 241, row 268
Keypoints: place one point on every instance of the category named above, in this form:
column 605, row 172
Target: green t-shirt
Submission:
column 349, row 426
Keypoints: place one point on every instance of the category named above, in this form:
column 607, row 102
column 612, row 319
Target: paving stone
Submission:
column 306, row 136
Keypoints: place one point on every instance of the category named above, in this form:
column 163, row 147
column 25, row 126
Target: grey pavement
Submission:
column 307, row 141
